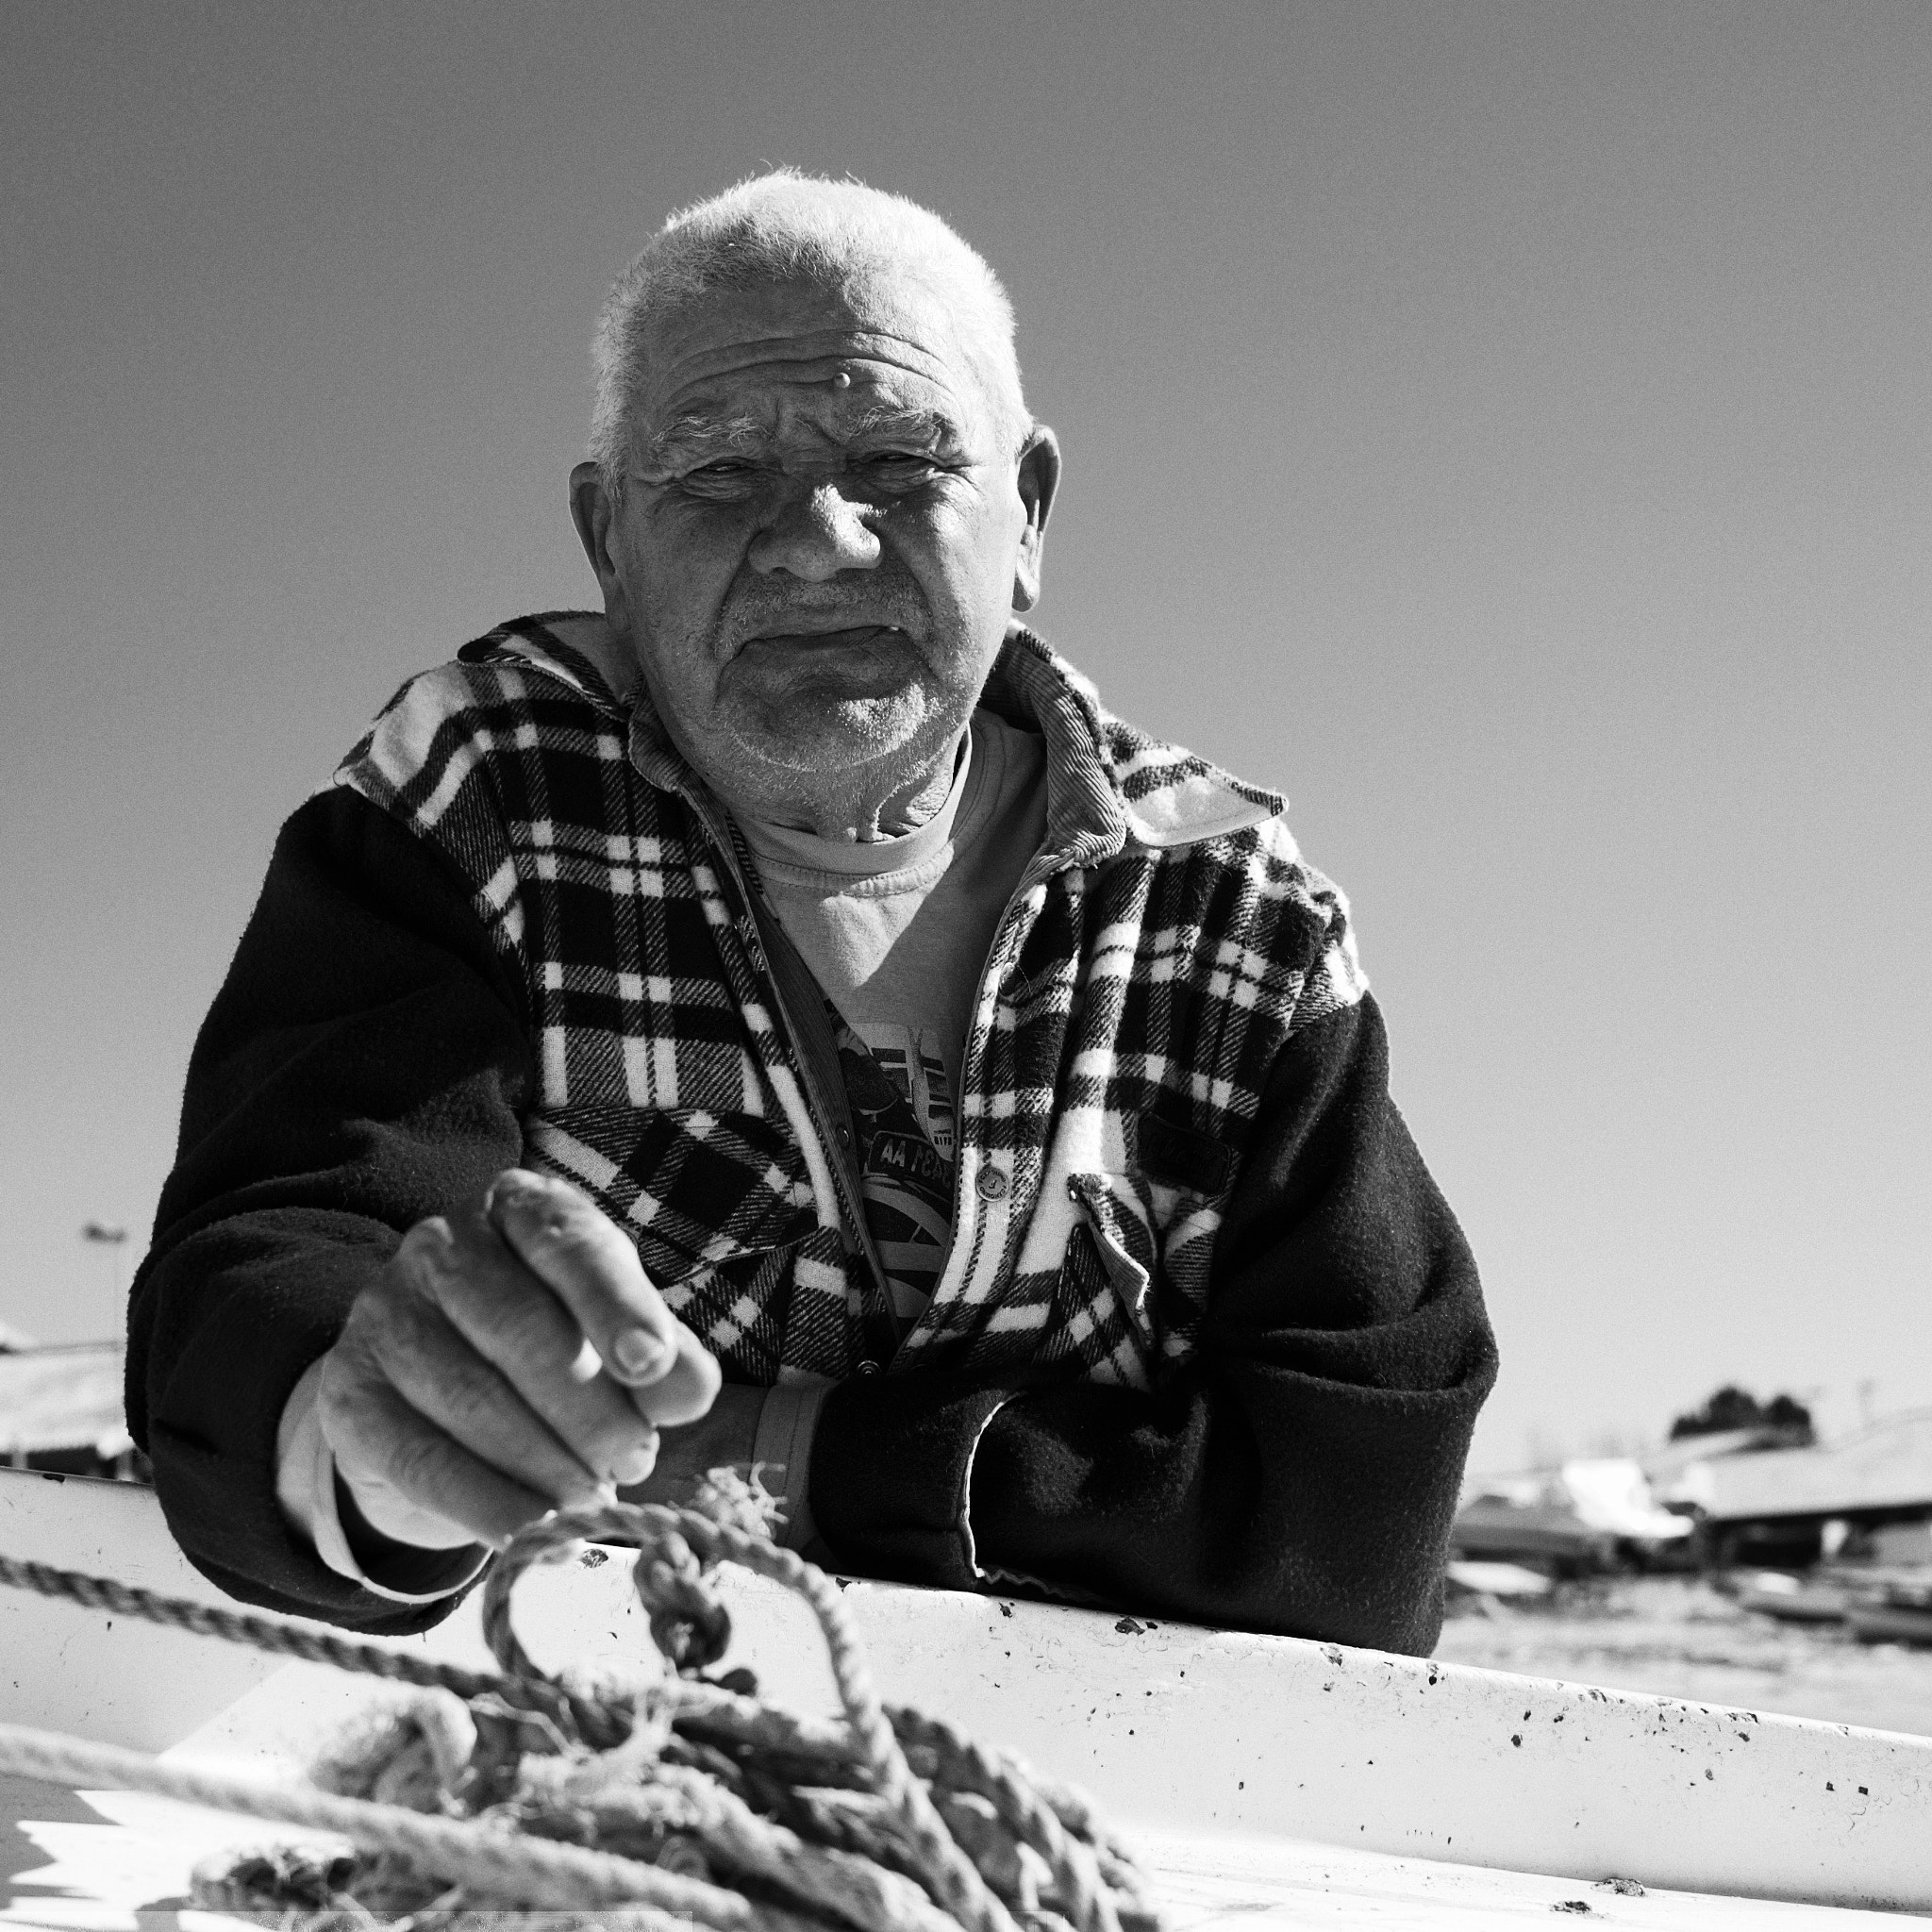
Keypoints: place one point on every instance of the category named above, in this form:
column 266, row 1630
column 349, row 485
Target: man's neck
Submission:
column 855, row 813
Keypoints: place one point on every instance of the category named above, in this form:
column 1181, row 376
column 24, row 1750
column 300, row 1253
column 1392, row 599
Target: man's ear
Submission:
column 1038, row 481
column 593, row 512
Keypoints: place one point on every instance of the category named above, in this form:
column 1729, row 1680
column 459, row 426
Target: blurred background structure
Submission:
column 61, row 1410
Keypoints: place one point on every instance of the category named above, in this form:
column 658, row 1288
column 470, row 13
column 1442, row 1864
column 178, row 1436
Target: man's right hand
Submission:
column 507, row 1360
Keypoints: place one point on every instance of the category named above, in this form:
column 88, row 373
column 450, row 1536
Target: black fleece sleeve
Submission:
column 363, row 1065
column 1299, row 1474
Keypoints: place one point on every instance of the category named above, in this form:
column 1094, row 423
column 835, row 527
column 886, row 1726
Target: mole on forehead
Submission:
column 847, row 384
column 811, row 356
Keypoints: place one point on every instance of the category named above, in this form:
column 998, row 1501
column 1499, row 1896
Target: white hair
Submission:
column 790, row 226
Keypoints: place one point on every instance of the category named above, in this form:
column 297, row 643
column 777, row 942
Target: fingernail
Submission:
column 634, row 1468
column 511, row 1190
column 638, row 1351
column 433, row 1241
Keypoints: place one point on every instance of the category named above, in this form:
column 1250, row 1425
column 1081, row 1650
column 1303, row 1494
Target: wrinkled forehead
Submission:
column 780, row 351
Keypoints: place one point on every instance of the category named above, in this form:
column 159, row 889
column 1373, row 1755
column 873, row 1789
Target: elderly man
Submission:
column 785, row 1018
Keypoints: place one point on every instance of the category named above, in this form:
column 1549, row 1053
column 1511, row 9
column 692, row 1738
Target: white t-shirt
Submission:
column 896, row 933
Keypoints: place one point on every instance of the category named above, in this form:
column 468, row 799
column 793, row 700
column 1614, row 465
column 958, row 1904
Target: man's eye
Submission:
column 896, row 463
column 728, row 476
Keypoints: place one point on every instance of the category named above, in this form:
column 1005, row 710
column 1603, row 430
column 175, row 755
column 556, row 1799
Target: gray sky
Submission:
column 1506, row 427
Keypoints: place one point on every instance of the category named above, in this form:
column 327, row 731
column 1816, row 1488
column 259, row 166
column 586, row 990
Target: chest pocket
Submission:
column 694, row 1187
column 1133, row 1288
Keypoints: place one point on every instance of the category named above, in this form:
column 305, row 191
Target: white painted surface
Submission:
column 1247, row 1754
column 63, row 1668
column 117, row 1862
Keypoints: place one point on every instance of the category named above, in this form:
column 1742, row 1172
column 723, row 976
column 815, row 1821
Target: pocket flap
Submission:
column 1123, row 1237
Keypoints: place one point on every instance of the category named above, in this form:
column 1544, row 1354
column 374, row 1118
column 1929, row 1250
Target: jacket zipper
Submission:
column 840, row 1160
column 1034, row 874
column 840, row 1157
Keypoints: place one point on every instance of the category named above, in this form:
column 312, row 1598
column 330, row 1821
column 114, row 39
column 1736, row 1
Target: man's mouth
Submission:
column 847, row 638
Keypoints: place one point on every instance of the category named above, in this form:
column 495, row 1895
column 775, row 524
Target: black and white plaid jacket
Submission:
column 1210, row 1344
column 1162, row 948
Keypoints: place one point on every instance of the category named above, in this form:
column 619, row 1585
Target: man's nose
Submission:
column 816, row 533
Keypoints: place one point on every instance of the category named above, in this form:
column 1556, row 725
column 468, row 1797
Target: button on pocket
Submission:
column 991, row 1184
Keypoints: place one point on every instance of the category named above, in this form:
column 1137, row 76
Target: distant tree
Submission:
column 1732, row 1408
column 1788, row 1412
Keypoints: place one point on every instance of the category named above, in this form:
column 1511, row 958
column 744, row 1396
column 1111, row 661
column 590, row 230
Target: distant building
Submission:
column 60, row 1410
column 1752, row 1503
column 1665, row 1466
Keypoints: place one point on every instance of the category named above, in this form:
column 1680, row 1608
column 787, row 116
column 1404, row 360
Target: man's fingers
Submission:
column 517, row 1324
column 587, row 1262
column 479, row 1383
column 688, row 1388
column 389, row 1449
column 408, row 1342
column 569, row 1244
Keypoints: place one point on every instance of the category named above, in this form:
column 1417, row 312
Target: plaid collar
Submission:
column 1107, row 783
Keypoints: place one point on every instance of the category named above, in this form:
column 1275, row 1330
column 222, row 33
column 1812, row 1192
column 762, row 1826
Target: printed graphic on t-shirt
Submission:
column 901, row 1116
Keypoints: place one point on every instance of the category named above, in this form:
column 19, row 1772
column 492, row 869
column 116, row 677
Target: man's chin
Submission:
column 829, row 733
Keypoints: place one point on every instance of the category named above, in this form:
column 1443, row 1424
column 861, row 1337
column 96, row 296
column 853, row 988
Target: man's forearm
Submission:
column 769, row 1429
column 726, row 1437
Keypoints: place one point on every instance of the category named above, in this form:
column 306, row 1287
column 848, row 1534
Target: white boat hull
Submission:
column 1294, row 1774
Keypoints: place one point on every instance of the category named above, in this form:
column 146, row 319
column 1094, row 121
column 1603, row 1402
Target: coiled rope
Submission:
column 680, row 1799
